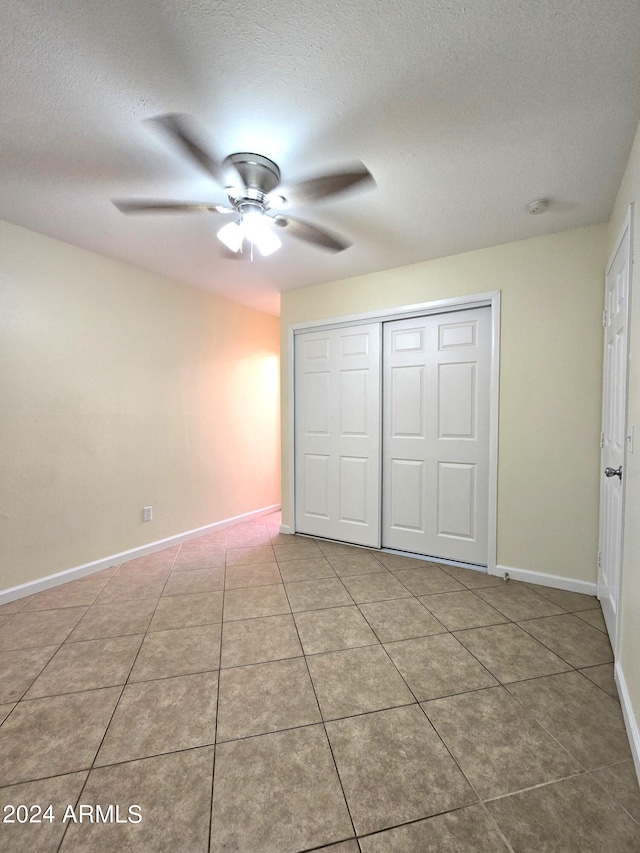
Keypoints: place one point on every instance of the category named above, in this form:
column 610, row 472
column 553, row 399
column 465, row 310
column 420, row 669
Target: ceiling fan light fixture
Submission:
column 232, row 236
column 257, row 230
column 250, row 181
column 268, row 243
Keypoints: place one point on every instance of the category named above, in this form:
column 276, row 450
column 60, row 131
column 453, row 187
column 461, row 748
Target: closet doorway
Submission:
column 395, row 432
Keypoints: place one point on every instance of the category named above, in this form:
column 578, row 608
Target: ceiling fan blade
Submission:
column 320, row 237
column 182, row 129
column 358, row 177
column 160, row 206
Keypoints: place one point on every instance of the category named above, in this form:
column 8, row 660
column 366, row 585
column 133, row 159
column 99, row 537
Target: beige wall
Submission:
column 550, row 382
column 120, row 389
column 629, row 650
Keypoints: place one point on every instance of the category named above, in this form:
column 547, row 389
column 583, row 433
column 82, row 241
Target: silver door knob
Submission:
column 613, row 472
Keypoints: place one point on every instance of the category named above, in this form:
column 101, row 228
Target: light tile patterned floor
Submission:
column 261, row 693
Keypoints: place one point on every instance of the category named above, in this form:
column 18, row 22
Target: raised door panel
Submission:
column 407, row 401
column 354, row 343
column 457, row 500
column 409, row 339
column 315, row 350
column 315, row 412
column 457, row 400
column 316, row 478
column 352, row 403
column 457, row 335
column 407, row 494
column 353, row 492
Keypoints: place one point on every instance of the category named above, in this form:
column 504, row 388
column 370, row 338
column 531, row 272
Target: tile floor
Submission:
column 261, row 693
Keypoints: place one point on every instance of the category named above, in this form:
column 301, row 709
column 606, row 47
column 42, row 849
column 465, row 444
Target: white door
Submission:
column 337, row 434
column 614, row 404
column 436, row 435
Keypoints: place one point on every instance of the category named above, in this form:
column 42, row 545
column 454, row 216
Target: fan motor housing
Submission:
column 258, row 172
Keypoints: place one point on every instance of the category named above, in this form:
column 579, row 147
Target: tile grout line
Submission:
column 499, row 830
column 90, row 768
column 504, row 685
column 272, row 732
column 519, row 624
column 537, row 786
column 215, row 728
column 428, row 635
column 511, row 622
column 389, row 709
column 486, row 669
column 115, row 708
column 80, row 792
column 406, row 823
column 500, row 684
column 45, row 665
column 453, row 758
column 322, row 722
column 612, row 796
column 318, row 722
column 532, row 717
column 118, row 763
column 114, row 764
column 418, row 637
column 533, row 678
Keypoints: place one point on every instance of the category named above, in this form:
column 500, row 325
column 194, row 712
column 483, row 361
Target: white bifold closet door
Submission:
column 337, row 434
column 436, row 435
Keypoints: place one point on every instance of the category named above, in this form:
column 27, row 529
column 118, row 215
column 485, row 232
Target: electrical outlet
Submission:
column 147, row 513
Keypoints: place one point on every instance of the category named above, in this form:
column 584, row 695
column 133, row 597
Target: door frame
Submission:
column 491, row 299
column 627, row 227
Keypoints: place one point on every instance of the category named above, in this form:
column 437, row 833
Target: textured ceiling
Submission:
column 464, row 113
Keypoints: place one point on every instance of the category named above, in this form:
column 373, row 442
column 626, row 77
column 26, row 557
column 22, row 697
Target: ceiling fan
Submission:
column 252, row 185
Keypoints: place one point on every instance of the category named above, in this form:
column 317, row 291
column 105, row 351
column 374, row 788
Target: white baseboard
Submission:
column 544, row 579
column 77, row 572
column 286, row 529
column 629, row 718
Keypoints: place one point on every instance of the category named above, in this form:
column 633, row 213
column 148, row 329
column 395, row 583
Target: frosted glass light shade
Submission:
column 267, row 243
column 231, row 235
column 258, row 230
